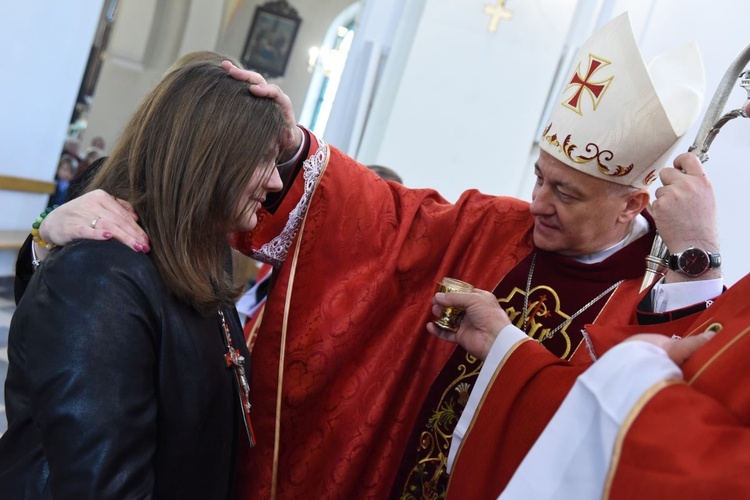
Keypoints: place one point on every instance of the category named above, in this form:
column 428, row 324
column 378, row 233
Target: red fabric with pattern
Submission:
column 688, row 441
column 529, row 388
column 692, row 441
column 525, row 395
column 358, row 358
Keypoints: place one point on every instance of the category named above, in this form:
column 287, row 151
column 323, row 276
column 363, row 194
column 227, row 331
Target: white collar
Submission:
column 638, row 228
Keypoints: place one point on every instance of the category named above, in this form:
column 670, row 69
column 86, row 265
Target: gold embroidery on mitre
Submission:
column 595, row 153
column 595, row 90
column 650, row 178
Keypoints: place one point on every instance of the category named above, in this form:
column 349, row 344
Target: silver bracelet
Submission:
column 35, row 262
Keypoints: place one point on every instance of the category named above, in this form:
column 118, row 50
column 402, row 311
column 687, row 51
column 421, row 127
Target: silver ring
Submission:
column 93, row 222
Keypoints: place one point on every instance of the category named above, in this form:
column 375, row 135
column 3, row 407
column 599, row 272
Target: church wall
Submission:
column 46, row 46
column 470, row 100
column 316, row 16
column 465, row 111
column 145, row 41
column 375, row 64
column 149, row 36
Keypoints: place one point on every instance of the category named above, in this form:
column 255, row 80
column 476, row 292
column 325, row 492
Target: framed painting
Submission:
column 271, row 38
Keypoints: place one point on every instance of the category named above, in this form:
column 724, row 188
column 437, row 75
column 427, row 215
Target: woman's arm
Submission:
column 95, row 215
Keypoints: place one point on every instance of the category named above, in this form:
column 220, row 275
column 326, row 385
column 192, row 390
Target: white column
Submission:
column 46, row 47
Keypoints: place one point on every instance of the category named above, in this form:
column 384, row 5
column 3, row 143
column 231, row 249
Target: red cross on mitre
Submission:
column 595, row 89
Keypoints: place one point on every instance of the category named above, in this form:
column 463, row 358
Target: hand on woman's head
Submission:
column 95, row 216
column 259, row 87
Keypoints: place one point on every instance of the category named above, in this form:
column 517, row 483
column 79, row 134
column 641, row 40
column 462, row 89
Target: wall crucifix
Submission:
column 497, row 13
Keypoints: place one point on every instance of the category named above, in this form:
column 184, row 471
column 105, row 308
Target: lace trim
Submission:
column 275, row 251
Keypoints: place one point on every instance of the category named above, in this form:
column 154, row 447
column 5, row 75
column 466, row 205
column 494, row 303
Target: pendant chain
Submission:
column 565, row 323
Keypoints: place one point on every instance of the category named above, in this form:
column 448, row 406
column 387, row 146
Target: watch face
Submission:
column 694, row 262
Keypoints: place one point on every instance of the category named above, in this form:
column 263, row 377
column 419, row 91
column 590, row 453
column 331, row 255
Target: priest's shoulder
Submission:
column 504, row 204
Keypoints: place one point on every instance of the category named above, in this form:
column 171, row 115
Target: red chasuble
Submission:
column 347, row 317
column 686, row 440
column 561, row 288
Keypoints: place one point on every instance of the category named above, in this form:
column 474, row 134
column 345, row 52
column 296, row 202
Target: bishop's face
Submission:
column 574, row 213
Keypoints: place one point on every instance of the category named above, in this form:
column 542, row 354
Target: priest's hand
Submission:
column 679, row 350
column 259, row 87
column 482, row 320
column 95, row 215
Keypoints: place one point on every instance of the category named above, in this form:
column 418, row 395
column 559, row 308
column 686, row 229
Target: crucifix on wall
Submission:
column 497, row 13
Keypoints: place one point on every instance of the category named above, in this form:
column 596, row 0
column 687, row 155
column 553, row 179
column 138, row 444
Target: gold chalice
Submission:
column 449, row 319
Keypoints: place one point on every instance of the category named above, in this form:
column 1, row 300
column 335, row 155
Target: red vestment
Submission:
column 563, row 296
column 686, row 440
column 692, row 440
column 347, row 315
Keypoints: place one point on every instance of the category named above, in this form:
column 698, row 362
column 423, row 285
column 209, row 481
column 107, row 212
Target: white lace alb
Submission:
column 275, row 251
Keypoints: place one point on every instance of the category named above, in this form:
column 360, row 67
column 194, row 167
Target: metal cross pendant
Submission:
column 236, row 362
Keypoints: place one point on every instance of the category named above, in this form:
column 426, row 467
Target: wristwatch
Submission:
column 694, row 261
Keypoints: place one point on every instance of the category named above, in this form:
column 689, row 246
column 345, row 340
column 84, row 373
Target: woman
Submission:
column 124, row 372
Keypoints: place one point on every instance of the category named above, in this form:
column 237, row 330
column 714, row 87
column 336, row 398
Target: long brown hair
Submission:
column 184, row 161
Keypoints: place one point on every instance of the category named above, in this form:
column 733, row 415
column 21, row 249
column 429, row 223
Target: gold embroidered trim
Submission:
column 718, row 353
column 593, row 153
column 699, row 328
column 625, row 427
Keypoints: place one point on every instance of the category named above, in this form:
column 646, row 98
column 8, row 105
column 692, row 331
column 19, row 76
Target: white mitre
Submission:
column 618, row 119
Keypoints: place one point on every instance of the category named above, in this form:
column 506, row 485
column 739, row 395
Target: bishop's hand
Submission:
column 482, row 320
column 685, row 210
column 259, row 87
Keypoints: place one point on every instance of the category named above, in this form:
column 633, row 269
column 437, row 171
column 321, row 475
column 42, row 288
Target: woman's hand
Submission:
column 95, row 216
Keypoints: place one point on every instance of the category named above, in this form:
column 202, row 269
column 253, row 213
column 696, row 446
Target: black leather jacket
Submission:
column 116, row 389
